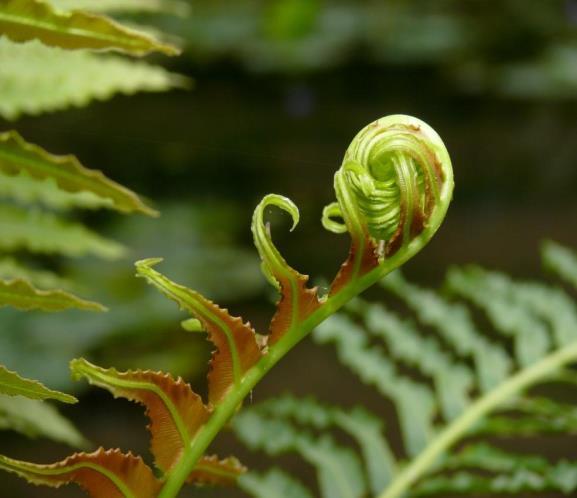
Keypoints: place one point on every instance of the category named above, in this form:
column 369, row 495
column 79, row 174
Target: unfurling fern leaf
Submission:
column 402, row 157
column 466, row 386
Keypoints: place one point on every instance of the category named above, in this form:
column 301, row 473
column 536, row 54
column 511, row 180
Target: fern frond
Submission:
column 493, row 292
column 454, row 324
column 491, row 470
column 540, row 320
column 26, row 161
column 44, row 232
column 453, row 380
column 12, row 384
column 36, row 79
column 415, row 402
column 339, row 471
column 22, row 295
column 25, row 20
column 364, row 427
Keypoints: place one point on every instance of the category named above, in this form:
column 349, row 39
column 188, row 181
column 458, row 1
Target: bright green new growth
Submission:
column 463, row 386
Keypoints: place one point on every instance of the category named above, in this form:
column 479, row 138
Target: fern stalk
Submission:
column 485, row 405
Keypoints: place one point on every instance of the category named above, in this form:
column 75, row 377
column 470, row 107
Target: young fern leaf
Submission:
column 296, row 302
column 404, row 158
column 13, row 385
column 19, row 157
column 237, row 349
column 103, row 474
column 393, row 190
column 21, row 294
column 25, row 20
column 36, row 79
column 425, row 198
column 175, row 411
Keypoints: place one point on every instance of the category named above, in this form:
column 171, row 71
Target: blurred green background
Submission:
column 280, row 89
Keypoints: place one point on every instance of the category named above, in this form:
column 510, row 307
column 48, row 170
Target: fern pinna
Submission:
column 466, row 391
column 393, row 190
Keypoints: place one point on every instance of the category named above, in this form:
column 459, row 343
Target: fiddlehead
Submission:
column 393, row 190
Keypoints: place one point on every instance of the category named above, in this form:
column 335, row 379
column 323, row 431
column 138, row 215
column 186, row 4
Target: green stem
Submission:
column 455, row 431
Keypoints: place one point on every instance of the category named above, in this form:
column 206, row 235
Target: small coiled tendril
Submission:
column 395, row 175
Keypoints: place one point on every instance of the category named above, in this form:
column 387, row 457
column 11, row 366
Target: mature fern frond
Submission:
column 339, row 470
column 36, row 79
column 271, row 426
column 27, row 161
column 447, row 386
column 25, row 20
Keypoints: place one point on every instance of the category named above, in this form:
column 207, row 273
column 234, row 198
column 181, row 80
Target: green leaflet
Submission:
column 454, row 324
column 10, row 269
column 47, row 233
column 415, row 401
column 560, row 260
column 35, row 418
column 36, row 78
column 168, row 6
column 493, row 292
column 23, row 189
column 18, row 156
column 103, row 474
column 176, row 413
column 511, row 473
column 25, row 20
column 236, row 344
column 14, row 385
column 273, row 484
column 453, row 380
column 22, row 295
column 365, row 428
